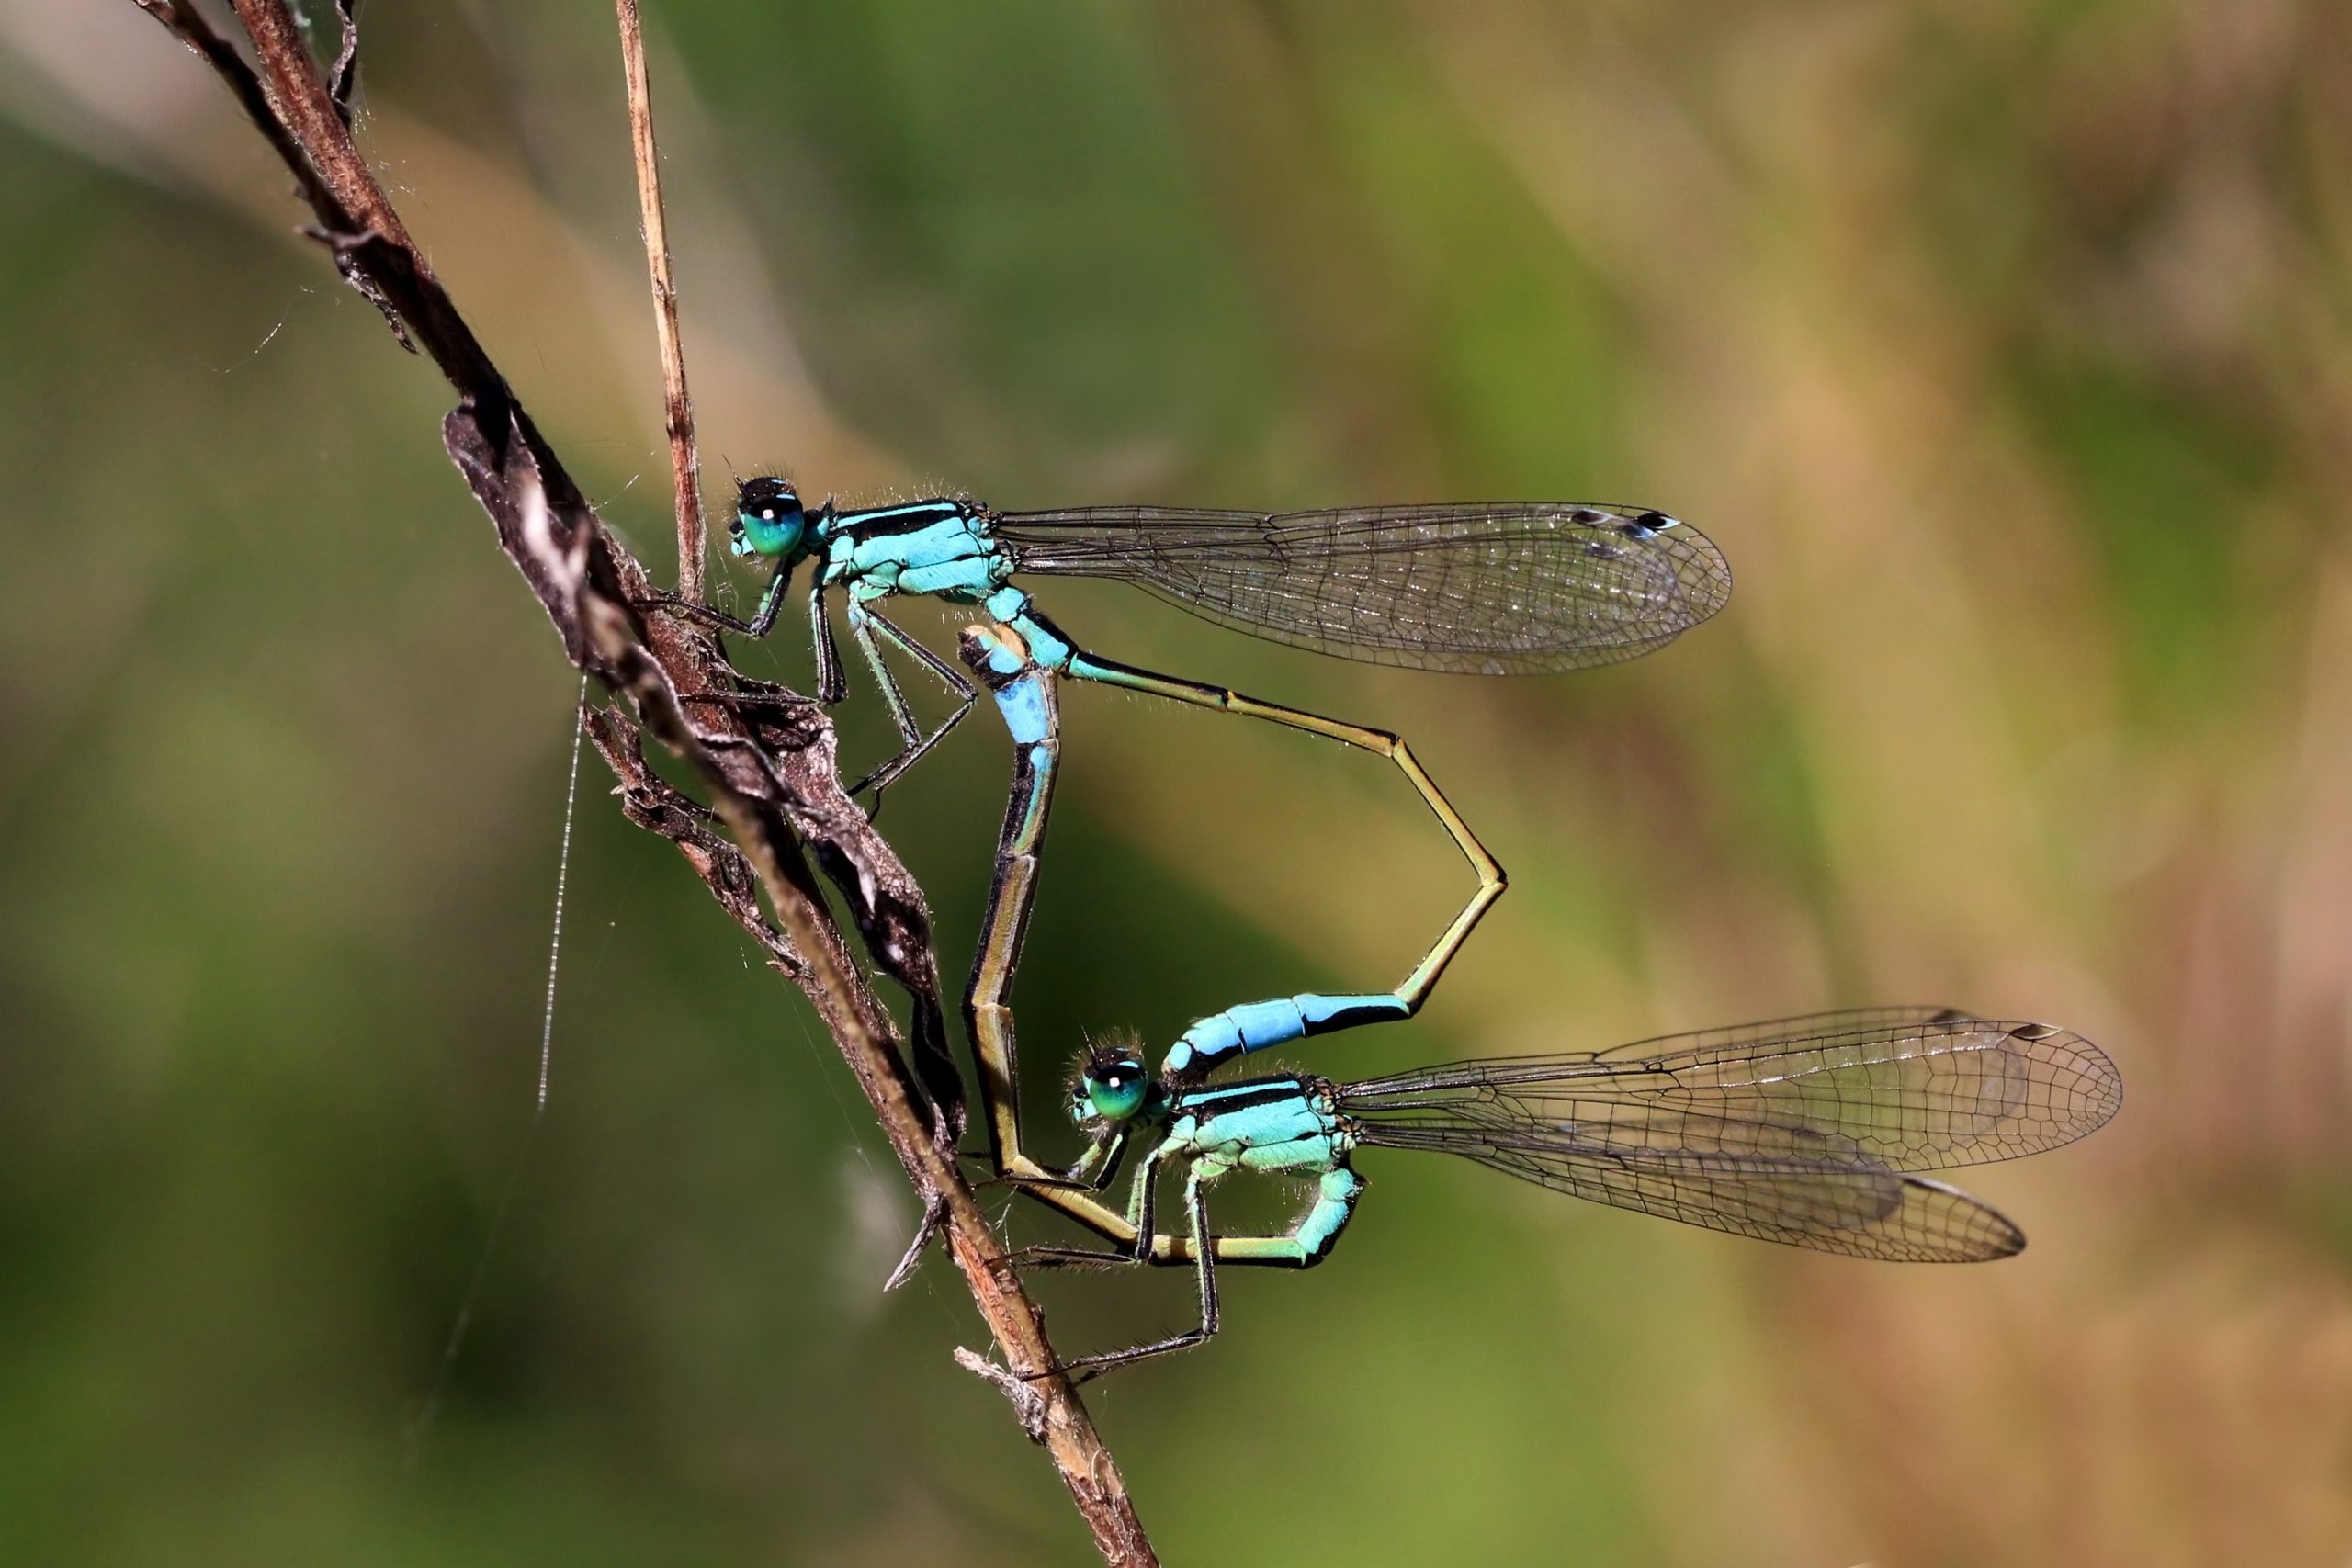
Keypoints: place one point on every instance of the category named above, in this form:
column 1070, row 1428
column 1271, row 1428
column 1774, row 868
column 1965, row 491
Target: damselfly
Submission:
column 1809, row 1131
column 1492, row 589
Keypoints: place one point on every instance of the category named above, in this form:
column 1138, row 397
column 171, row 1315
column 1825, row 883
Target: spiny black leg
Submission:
column 706, row 613
column 917, row 745
column 1050, row 1256
column 831, row 684
column 762, row 621
column 1142, row 1207
column 862, row 622
column 1204, row 1251
column 752, row 699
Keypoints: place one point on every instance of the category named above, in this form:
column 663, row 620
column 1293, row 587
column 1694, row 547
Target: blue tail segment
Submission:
column 1024, row 707
column 1256, row 1026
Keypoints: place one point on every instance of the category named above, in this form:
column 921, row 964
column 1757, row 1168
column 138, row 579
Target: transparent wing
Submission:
column 1503, row 587
column 1803, row 1130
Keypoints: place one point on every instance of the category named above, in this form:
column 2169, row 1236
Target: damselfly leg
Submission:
column 1416, row 987
column 1197, row 1208
column 865, row 625
column 1302, row 1246
column 870, row 628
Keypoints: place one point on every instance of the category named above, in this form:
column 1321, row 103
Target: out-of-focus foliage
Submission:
column 2004, row 348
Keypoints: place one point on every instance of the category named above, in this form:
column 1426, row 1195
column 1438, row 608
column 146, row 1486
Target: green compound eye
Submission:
column 769, row 520
column 1117, row 1091
column 759, row 534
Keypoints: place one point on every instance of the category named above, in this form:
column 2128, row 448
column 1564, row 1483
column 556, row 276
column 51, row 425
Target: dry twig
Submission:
column 677, row 405
column 770, row 769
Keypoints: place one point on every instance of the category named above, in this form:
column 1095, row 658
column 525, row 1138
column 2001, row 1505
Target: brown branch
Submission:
column 677, row 405
column 654, row 804
column 770, row 769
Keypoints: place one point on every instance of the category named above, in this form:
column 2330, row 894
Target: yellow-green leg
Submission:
column 1416, row 987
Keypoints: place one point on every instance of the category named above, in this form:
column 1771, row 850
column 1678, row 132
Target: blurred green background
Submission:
column 2002, row 346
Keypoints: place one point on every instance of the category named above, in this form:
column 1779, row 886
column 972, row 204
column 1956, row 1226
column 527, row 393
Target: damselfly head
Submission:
column 769, row 520
column 1110, row 1083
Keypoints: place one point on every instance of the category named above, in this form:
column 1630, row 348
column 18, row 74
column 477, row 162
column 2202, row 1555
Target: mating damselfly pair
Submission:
column 1811, row 1131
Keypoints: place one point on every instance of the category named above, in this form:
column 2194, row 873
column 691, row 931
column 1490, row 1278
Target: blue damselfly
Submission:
column 1486, row 589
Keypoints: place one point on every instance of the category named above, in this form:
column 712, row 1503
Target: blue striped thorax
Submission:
column 942, row 547
column 1288, row 1122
